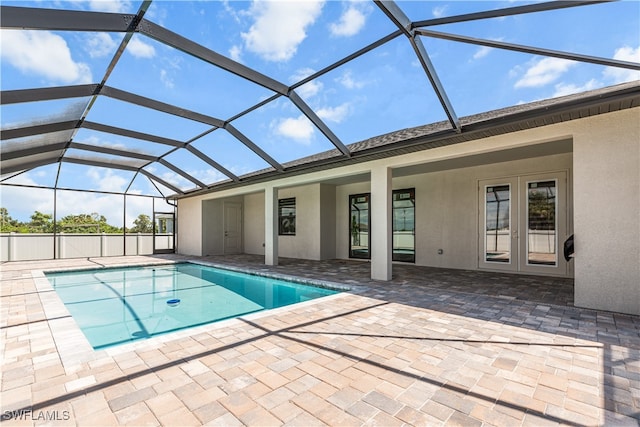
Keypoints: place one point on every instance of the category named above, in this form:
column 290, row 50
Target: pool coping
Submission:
column 74, row 348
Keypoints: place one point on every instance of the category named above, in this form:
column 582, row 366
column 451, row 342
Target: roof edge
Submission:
column 474, row 127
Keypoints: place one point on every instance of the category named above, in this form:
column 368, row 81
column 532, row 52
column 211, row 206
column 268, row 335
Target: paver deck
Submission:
column 430, row 347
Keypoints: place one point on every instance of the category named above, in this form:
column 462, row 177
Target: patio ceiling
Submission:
column 219, row 130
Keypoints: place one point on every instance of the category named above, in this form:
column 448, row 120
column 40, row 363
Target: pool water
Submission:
column 119, row 305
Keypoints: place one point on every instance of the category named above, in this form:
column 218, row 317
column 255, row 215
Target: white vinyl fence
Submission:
column 25, row 247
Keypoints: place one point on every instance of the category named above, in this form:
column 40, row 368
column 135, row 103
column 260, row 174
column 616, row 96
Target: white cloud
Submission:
column 351, row 22
column 482, row 52
column 106, row 179
column 543, row 72
column 175, row 179
column 347, row 80
column 236, row 53
column 100, row 44
column 22, row 204
column 620, row 75
column 562, row 89
column 279, row 27
column 76, row 202
column 113, row 6
column 140, row 49
column 94, row 140
column 43, row 53
column 299, row 129
column 334, row 114
column 485, row 50
column 309, row 89
column 439, row 11
column 166, row 80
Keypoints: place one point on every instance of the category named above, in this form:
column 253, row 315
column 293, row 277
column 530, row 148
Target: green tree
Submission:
column 542, row 210
column 142, row 224
column 87, row 223
column 41, row 223
column 8, row 224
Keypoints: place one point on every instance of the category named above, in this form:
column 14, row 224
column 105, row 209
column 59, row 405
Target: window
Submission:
column 404, row 226
column 287, row 217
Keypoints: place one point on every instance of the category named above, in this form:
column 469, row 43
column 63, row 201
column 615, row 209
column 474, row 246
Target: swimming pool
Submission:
column 119, row 305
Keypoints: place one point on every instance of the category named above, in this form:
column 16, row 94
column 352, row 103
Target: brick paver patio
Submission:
column 431, row 347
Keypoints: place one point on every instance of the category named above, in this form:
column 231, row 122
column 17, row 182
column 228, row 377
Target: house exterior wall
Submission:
column 190, row 227
column 327, row 234
column 604, row 180
column 607, row 212
column 212, row 227
column 306, row 242
column 253, row 227
column 447, row 208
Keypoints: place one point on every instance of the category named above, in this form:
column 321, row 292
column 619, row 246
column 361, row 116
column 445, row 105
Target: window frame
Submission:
column 395, row 254
column 288, row 203
column 352, row 252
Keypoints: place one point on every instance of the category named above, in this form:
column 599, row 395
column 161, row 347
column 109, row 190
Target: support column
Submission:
column 271, row 226
column 381, row 230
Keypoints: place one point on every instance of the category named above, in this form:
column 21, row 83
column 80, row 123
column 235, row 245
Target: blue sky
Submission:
column 382, row 91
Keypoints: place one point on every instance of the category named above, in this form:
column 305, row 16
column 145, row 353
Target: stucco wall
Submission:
column 212, row 227
column 446, row 208
column 190, row 226
column 253, row 227
column 607, row 212
column 605, row 180
column 327, row 221
column 306, row 243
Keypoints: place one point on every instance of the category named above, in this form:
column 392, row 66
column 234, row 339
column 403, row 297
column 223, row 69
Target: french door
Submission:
column 523, row 223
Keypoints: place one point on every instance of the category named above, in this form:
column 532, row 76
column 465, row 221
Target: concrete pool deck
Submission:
column 431, row 347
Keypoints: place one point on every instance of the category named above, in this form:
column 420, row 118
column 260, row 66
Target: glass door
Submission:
column 523, row 223
column 544, row 220
column 498, row 243
column 359, row 237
